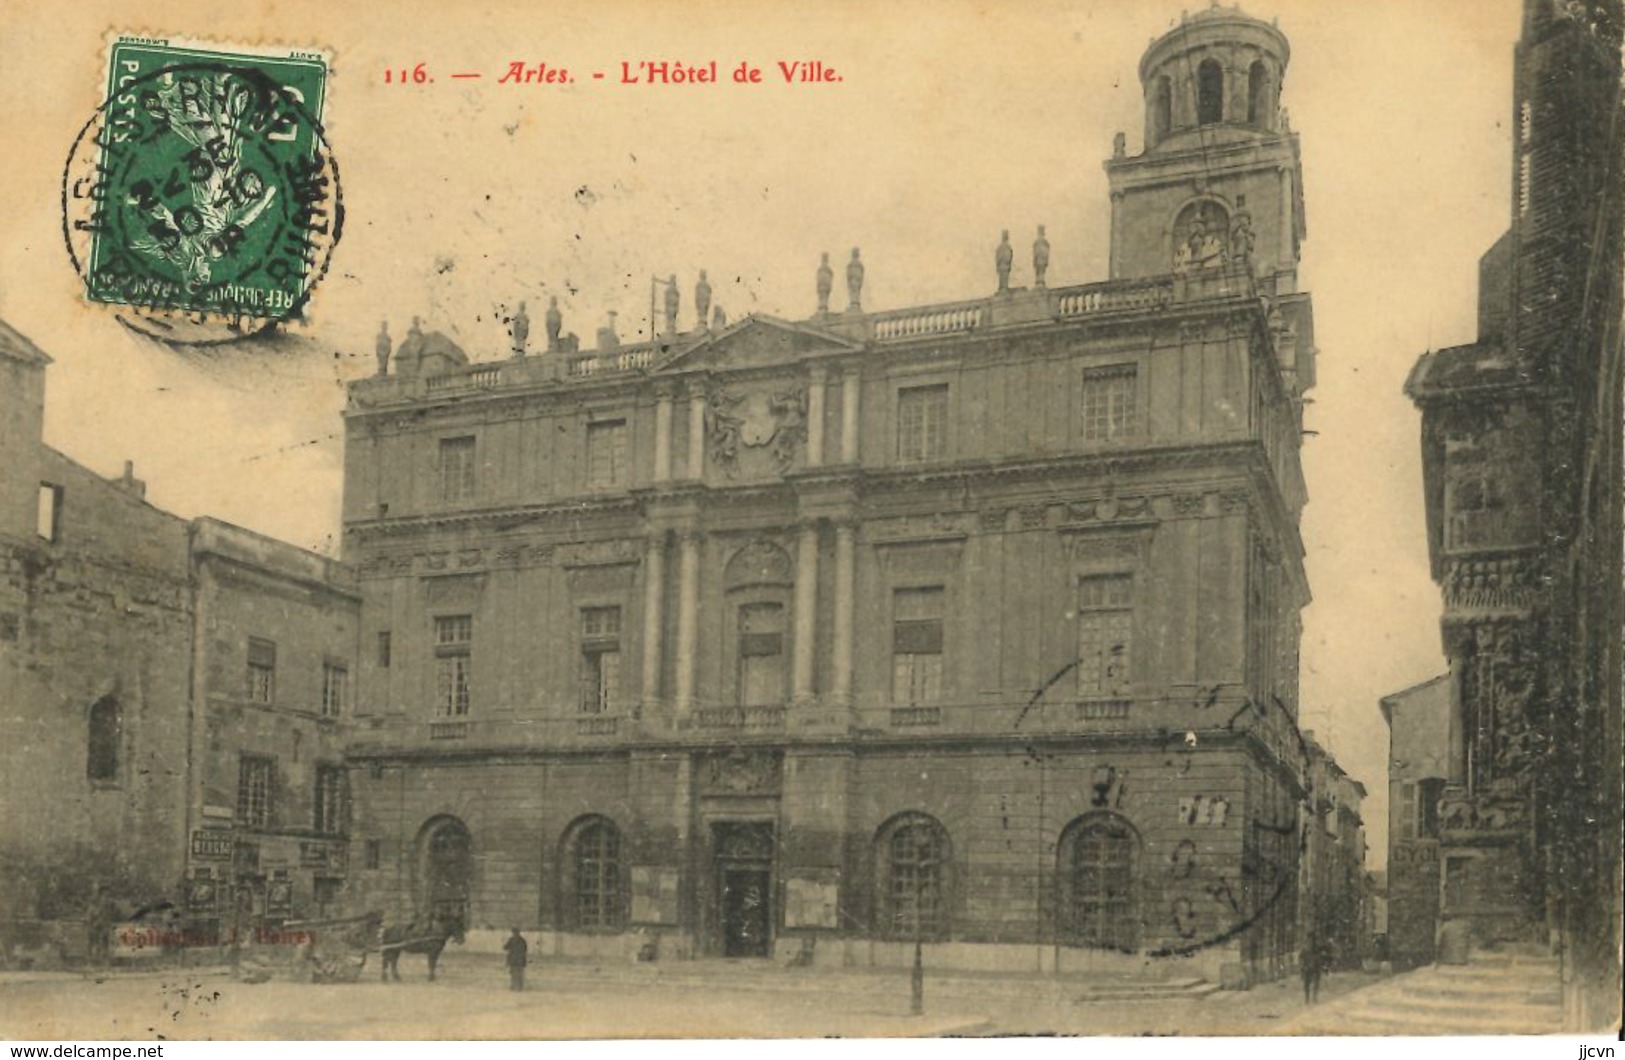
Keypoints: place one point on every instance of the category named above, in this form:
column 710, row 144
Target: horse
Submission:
column 426, row 937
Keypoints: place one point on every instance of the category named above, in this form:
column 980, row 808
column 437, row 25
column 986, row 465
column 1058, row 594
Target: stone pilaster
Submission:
column 845, row 574
column 849, row 416
column 688, row 614
column 806, row 613
column 662, row 469
column 654, row 576
column 815, row 417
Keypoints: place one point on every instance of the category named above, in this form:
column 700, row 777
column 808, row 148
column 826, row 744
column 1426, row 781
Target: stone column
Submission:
column 654, row 577
column 845, row 574
column 1114, row 257
column 815, row 417
column 849, row 417
column 663, row 436
column 696, row 434
column 806, row 613
column 1288, row 259
column 688, row 614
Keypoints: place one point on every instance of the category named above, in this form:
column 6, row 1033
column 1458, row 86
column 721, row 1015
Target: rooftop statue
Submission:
column 555, row 323
column 702, row 299
column 381, row 347
column 521, row 331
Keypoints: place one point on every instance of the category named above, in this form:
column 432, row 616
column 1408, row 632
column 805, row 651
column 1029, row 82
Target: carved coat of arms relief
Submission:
column 773, row 420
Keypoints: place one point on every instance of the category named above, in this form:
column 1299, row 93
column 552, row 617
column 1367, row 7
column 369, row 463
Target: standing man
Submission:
column 1309, row 964
column 517, row 950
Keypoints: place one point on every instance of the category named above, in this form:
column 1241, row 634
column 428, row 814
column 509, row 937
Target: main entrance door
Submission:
column 745, row 887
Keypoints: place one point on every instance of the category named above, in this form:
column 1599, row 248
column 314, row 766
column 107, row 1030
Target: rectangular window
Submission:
column 330, row 800
column 454, row 656
column 606, row 454
column 922, row 423
column 1428, row 793
column 261, row 670
column 325, row 891
column 1105, row 632
column 335, row 689
column 384, row 647
column 761, row 655
column 456, row 469
column 1407, row 810
column 254, row 777
column 373, row 853
column 917, row 645
column 600, row 659
column 50, row 511
column 1109, row 403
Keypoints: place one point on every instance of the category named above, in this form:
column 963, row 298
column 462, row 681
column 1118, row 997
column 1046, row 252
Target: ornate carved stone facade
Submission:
column 1521, row 435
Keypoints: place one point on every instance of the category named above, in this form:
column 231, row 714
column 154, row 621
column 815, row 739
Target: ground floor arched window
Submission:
column 912, row 854
column 1098, row 860
column 446, row 870
column 594, row 897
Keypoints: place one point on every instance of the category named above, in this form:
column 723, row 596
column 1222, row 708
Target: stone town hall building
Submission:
column 973, row 622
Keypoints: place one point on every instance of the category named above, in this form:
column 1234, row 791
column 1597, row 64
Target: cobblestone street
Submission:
column 578, row 1000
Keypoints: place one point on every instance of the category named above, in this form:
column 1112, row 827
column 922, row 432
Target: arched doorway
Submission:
column 445, row 870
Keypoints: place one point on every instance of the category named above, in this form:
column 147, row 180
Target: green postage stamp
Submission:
column 202, row 197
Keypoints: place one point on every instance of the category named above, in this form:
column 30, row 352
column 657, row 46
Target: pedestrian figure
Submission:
column 1309, row 964
column 98, row 924
column 517, row 950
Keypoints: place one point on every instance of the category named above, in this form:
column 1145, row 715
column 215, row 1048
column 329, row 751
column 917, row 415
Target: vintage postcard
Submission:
column 582, row 521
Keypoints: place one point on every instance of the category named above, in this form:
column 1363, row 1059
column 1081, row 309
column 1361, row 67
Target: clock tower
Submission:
column 1219, row 182
column 1216, row 196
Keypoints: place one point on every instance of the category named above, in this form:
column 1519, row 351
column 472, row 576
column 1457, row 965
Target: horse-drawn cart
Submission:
column 313, row 951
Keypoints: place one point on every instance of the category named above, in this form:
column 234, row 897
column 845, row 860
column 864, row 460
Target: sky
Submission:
column 951, row 121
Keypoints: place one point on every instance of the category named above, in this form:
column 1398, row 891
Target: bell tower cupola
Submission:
column 1218, row 183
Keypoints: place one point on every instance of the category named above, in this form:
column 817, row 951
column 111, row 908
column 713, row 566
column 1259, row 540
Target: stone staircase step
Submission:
column 1541, row 992
column 1392, row 1023
column 1148, row 992
column 1451, row 1009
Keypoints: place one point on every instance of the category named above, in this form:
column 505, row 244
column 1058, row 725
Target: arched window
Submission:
column 1258, row 94
column 1209, row 92
column 593, row 896
column 1099, row 857
column 106, row 733
column 446, row 869
column 759, row 578
column 1162, row 108
column 913, row 857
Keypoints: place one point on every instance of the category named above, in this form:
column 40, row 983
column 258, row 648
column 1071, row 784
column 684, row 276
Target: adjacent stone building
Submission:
column 273, row 651
column 1337, row 913
column 1423, row 758
column 172, row 697
column 1521, row 442
column 973, row 623
column 95, row 640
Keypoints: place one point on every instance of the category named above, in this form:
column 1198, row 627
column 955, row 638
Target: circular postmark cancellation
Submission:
column 201, row 198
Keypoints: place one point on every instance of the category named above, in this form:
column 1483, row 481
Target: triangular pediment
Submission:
column 758, row 342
